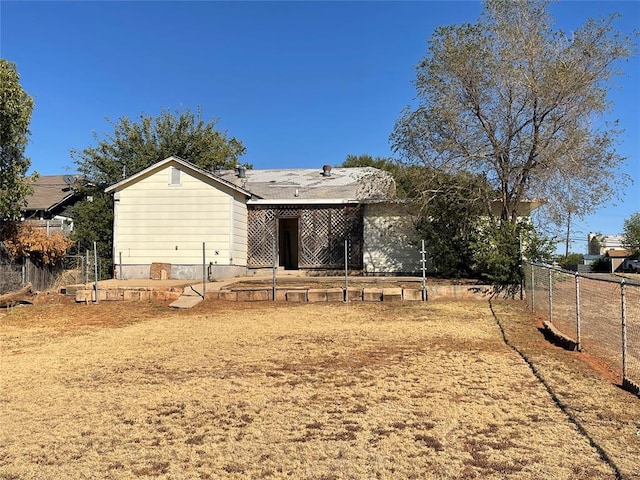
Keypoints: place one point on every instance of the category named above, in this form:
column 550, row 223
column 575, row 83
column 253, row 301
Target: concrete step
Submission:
column 186, row 301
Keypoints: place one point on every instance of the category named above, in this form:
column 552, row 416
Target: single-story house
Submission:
column 235, row 222
column 51, row 195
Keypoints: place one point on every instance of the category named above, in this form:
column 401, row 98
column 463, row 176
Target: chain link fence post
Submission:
column 550, row 295
column 623, row 313
column 533, row 287
column 578, row 311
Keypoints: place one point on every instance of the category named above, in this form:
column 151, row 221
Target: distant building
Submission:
column 51, row 195
column 616, row 258
column 599, row 244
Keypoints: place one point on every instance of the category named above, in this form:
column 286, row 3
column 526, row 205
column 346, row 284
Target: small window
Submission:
column 174, row 176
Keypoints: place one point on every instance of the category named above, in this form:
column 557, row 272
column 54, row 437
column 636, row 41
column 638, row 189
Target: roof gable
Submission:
column 185, row 165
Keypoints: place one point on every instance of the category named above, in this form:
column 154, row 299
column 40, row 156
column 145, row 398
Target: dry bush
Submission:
column 25, row 240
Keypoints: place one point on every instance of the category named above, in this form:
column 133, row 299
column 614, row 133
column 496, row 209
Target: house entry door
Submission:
column 288, row 243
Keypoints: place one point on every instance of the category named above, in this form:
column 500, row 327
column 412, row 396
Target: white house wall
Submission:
column 159, row 222
column 390, row 241
column 240, row 220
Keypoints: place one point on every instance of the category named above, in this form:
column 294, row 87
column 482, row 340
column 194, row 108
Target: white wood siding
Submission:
column 239, row 232
column 389, row 240
column 159, row 222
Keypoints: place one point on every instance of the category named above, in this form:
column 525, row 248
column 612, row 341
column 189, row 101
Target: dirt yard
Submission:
column 440, row 390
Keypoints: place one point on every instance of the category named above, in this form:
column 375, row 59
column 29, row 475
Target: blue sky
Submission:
column 300, row 83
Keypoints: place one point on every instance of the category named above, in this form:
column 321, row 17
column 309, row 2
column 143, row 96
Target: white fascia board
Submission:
column 301, row 201
column 184, row 164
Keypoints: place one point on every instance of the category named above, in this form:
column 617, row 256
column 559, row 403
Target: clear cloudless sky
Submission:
column 301, row 84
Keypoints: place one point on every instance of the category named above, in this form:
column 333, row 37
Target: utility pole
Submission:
column 566, row 250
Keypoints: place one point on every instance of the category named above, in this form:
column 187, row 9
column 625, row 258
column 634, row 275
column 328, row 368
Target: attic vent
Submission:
column 326, row 170
column 174, row 176
column 242, row 171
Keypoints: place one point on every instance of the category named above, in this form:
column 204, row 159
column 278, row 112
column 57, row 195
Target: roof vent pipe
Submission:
column 326, row 170
column 242, row 171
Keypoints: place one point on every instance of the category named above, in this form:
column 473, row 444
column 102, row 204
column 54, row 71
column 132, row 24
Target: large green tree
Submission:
column 514, row 100
column 631, row 234
column 15, row 115
column 134, row 146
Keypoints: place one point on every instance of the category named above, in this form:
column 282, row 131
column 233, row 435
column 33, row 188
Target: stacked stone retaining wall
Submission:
column 293, row 293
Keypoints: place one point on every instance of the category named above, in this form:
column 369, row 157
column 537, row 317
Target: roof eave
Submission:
column 302, row 201
column 188, row 165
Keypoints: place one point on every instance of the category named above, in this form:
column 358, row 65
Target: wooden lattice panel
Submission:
column 322, row 231
column 314, row 238
column 291, row 212
column 322, row 236
column 261, row 232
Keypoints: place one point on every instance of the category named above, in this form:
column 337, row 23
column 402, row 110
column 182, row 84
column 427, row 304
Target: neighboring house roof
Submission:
column 188, row 166
column 50, row 192
column 617, row 253
column 523, row 209
column 302, row 184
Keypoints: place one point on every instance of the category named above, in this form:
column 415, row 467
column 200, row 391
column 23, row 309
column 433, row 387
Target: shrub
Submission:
column 24, row 240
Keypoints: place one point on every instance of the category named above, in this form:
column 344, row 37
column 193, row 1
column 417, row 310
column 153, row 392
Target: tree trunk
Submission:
column 19, row 296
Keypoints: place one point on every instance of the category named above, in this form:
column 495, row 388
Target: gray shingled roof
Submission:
column 357, row 183
column 49, row 191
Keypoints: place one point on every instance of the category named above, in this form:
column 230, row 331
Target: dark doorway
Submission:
column 288, row 243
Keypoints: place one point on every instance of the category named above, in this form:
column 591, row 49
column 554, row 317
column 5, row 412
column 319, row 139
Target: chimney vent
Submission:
column 242, row 171
column 326, row 170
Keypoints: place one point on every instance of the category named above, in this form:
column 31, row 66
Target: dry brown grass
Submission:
column 333, row 391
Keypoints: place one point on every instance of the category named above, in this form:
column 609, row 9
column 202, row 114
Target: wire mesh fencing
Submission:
column 599, row 313
column 12, row 276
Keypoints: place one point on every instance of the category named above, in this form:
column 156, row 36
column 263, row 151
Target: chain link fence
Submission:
column 11, row 276
column 73, row 270
column 599, row 313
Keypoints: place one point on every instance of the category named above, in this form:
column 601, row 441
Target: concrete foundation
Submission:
column 392, row 294
column 354, row 294
column 179, row 272
column 372, row 294
column 412, row 295
column 296, row 296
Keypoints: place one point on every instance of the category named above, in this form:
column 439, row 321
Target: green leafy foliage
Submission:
column 631, row 234
column 406, row 176
column 601, row 265
column 134, row 146
column 450, row 209
column 93, row 222
column 453, row 214
column 366, row 160
column 15, row 115
column 571, row 261
column 499, row 248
